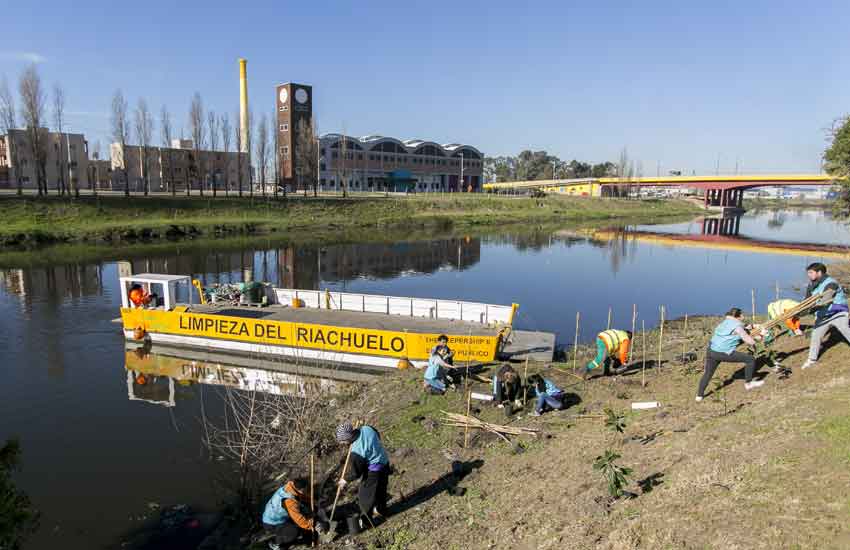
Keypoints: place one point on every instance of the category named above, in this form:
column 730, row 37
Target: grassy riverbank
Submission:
column 30, row 222
column 759, row 469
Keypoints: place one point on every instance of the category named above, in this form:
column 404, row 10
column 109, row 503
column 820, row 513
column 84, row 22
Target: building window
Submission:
column 284, row 127
column 283, row 108
column 285, row 149
column 335, row 155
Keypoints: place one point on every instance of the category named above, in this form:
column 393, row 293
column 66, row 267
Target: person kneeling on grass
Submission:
column 438, row 375
column 549, row 396
column 727, row 336
column 286, row 516
column 612, row 350
column 506, row 387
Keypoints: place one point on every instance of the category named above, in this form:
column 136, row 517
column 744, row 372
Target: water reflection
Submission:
column 163, row 376
column 62, row 353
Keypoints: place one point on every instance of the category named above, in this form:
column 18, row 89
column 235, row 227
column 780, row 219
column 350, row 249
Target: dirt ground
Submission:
column 767, row 468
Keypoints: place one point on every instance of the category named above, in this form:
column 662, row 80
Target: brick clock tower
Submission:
column 294, row 106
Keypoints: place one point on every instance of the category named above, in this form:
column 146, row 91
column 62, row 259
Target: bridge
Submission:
column 718, row 191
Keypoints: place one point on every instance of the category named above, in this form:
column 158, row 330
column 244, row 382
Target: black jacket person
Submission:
column 368, row 463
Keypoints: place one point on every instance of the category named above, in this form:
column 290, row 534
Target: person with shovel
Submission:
column 368, row 462
column 612, row 350
column 287, row 516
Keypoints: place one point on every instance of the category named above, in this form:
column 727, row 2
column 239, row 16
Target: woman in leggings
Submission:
column 727, row 336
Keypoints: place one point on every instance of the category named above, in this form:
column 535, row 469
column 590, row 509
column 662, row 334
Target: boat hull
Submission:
column 314, row 342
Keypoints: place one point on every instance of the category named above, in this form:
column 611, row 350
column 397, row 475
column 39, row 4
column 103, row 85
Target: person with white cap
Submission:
column 369, row 463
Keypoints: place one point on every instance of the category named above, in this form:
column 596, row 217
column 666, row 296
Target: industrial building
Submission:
column 380, row 163
column 178, row 166
column 65, row 158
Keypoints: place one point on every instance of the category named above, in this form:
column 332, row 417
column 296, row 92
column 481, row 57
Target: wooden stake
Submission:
column 609, row 317
column 468, row 410
column 685, row 339
column 468, row 353
column 660, row 339
column 753, row 291
column 575, row 343
column 312, row 506
column 525, row 372
column 634, row 320
column 643, row 348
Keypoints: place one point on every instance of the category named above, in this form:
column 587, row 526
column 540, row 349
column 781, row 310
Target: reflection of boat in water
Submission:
column 316, row 326
column 726, row 242
column 154, row 372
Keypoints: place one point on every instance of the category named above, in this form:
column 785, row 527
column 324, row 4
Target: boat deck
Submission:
column 352, row 319
column 531, row 345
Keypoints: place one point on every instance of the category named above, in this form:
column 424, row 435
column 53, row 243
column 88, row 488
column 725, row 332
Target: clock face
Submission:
column 301, row 95
column 283, row 95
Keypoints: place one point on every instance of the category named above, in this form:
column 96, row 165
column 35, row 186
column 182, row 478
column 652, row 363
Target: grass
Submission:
column 29, row 221
column 836, row 431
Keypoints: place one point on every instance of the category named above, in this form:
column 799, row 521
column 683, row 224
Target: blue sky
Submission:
column 677, row 83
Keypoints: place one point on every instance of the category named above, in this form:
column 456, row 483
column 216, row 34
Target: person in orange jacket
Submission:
column 286, row 516
column 139, row 297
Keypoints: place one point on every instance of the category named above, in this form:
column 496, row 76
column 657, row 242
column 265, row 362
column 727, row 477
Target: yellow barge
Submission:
column 316, row 326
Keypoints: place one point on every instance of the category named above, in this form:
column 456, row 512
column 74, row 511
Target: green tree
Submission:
column 18, row 519
column 837, row 158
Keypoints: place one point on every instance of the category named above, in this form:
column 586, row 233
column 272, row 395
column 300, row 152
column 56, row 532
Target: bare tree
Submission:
column 198, row 131
column 96, row 153
column 237, row 134
column 212, row 129
column 59, row 124
column 144, row 133
column 224, row 127
column 262, row 150
column 8, row 121
column 33, row 99
column 307, row 149
column 269, row 436
column 165, row 133
column 121, row 136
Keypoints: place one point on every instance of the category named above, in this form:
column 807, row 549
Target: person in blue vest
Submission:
column 368, row 463
column 287, row 516
column 438, row 375
column 726, row 338
column 828, row 313
column 549, row 396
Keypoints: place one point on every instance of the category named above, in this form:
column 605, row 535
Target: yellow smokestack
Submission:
column 243, row 102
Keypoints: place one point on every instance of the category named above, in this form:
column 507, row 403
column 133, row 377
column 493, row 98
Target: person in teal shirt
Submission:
column 549, row 396
column 829, row 313
column 438, row 374
column 727, row 336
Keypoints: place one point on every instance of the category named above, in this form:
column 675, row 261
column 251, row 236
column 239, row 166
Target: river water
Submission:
column 97, row 450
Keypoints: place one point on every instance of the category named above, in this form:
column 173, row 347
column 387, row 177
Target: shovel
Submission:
column 333, row 524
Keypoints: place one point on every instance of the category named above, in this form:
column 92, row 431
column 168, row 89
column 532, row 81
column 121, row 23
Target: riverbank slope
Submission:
column 759, row 469
column 30, row 222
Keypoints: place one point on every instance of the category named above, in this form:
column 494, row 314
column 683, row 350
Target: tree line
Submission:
column 837, row 161
column 137, row 127
column 540, row 165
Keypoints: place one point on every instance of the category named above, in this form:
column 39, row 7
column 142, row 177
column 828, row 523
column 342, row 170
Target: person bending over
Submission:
column 612, row 350
column 370, row 464
column 727, row 336
column 506, row 387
